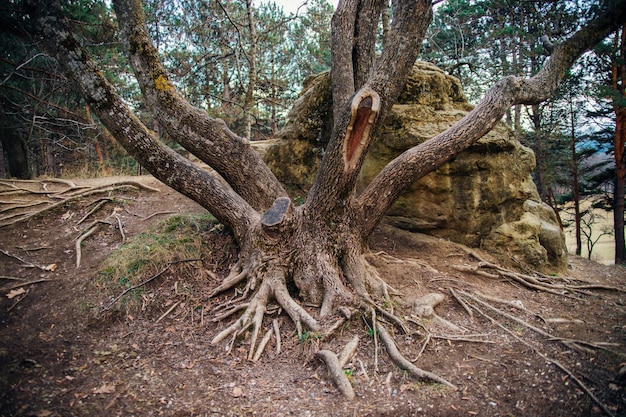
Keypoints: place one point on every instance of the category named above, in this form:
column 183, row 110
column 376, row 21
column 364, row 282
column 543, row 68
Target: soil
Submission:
column 61, row 356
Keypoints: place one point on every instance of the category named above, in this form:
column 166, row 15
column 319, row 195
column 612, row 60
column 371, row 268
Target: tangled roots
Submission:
column 273, row 285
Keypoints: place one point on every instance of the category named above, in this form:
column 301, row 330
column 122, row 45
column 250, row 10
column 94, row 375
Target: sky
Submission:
column 290, row 6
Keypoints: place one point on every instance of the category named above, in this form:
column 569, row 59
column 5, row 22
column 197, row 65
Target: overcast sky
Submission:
column 290, row 6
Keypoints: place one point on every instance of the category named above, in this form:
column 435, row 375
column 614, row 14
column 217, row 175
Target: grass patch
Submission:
column 148, row 253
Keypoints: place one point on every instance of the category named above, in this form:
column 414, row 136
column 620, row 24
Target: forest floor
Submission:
column 68, row 347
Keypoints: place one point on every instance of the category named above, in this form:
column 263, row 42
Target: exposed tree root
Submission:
column 533, row 348
column 404, row 363
column 257, row 281
column 55, row 198
column 84, row 235
column 100, row 202
column 335, row 365
column 272, row 286
column 336, row 373
column 541, row 282
column 265, row 282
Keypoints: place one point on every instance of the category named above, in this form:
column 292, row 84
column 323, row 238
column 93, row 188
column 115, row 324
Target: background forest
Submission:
column 245, row 63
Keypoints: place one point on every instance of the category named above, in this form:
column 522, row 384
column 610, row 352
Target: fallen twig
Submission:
column 404, row 363
column 17, row 302
column 11, row 278
column 466, row 338
column 23, row 284
column 158, row 214
column 26, row 263
column 169, row 310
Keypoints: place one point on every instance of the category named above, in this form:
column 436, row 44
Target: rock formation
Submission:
column 484, row 197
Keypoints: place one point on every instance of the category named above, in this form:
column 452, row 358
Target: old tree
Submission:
column 317, row 247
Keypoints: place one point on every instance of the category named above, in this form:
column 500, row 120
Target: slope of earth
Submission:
column 61, row 355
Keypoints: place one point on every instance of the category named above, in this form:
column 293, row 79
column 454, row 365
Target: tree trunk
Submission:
column 252, row 75
column 575, row 184
column 17, row 153
column 619, row 146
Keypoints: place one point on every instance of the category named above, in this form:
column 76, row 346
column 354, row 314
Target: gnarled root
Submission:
column 272, row 285
column 336, row 373
column 252, row 317
column 335, row 366
column 237, row 274
column 404, row 363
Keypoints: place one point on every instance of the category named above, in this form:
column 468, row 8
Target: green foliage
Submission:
column 41, row 109
column 307, row 337
column 480, row 41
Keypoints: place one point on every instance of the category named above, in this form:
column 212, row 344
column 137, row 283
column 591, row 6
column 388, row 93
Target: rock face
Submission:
column 484, row 197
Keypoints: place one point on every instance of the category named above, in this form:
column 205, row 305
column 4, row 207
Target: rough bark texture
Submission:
column 208, row 139
column 484, row 197
column 619, row 146
column 17, row 154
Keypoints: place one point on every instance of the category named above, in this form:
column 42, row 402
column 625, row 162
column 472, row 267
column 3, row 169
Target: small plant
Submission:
column 306, row 337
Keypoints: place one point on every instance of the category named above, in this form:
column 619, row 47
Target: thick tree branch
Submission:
column 408, row 27
column 207, row 138
column 342, row 41
column 418, row 161
column 165, row 164
column 354, row 125
column 540, row 87
column 368, row 16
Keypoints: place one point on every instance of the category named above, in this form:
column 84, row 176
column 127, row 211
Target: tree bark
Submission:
column 619, row 147
column 168, row 166
column 575, row 183
column 17, row 153
column 252, row 75
column 414, row 163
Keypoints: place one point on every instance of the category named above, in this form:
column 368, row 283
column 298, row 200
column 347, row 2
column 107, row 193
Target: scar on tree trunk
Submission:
column 365, row 107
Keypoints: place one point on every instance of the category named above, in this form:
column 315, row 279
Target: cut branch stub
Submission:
column 365, row 107
column 273, row 218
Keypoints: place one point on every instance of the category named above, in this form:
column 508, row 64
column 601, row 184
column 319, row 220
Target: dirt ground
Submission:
column 61, row 356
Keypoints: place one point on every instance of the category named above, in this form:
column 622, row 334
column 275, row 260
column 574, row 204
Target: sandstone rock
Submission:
column 484, row 197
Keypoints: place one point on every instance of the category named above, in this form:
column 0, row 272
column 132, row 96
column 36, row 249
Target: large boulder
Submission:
column 484, row 197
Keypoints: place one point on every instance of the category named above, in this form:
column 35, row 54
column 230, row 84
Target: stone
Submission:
column 484, row 197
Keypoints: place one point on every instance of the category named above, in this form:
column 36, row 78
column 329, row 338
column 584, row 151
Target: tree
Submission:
column 318, row 247
column 618, row 83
